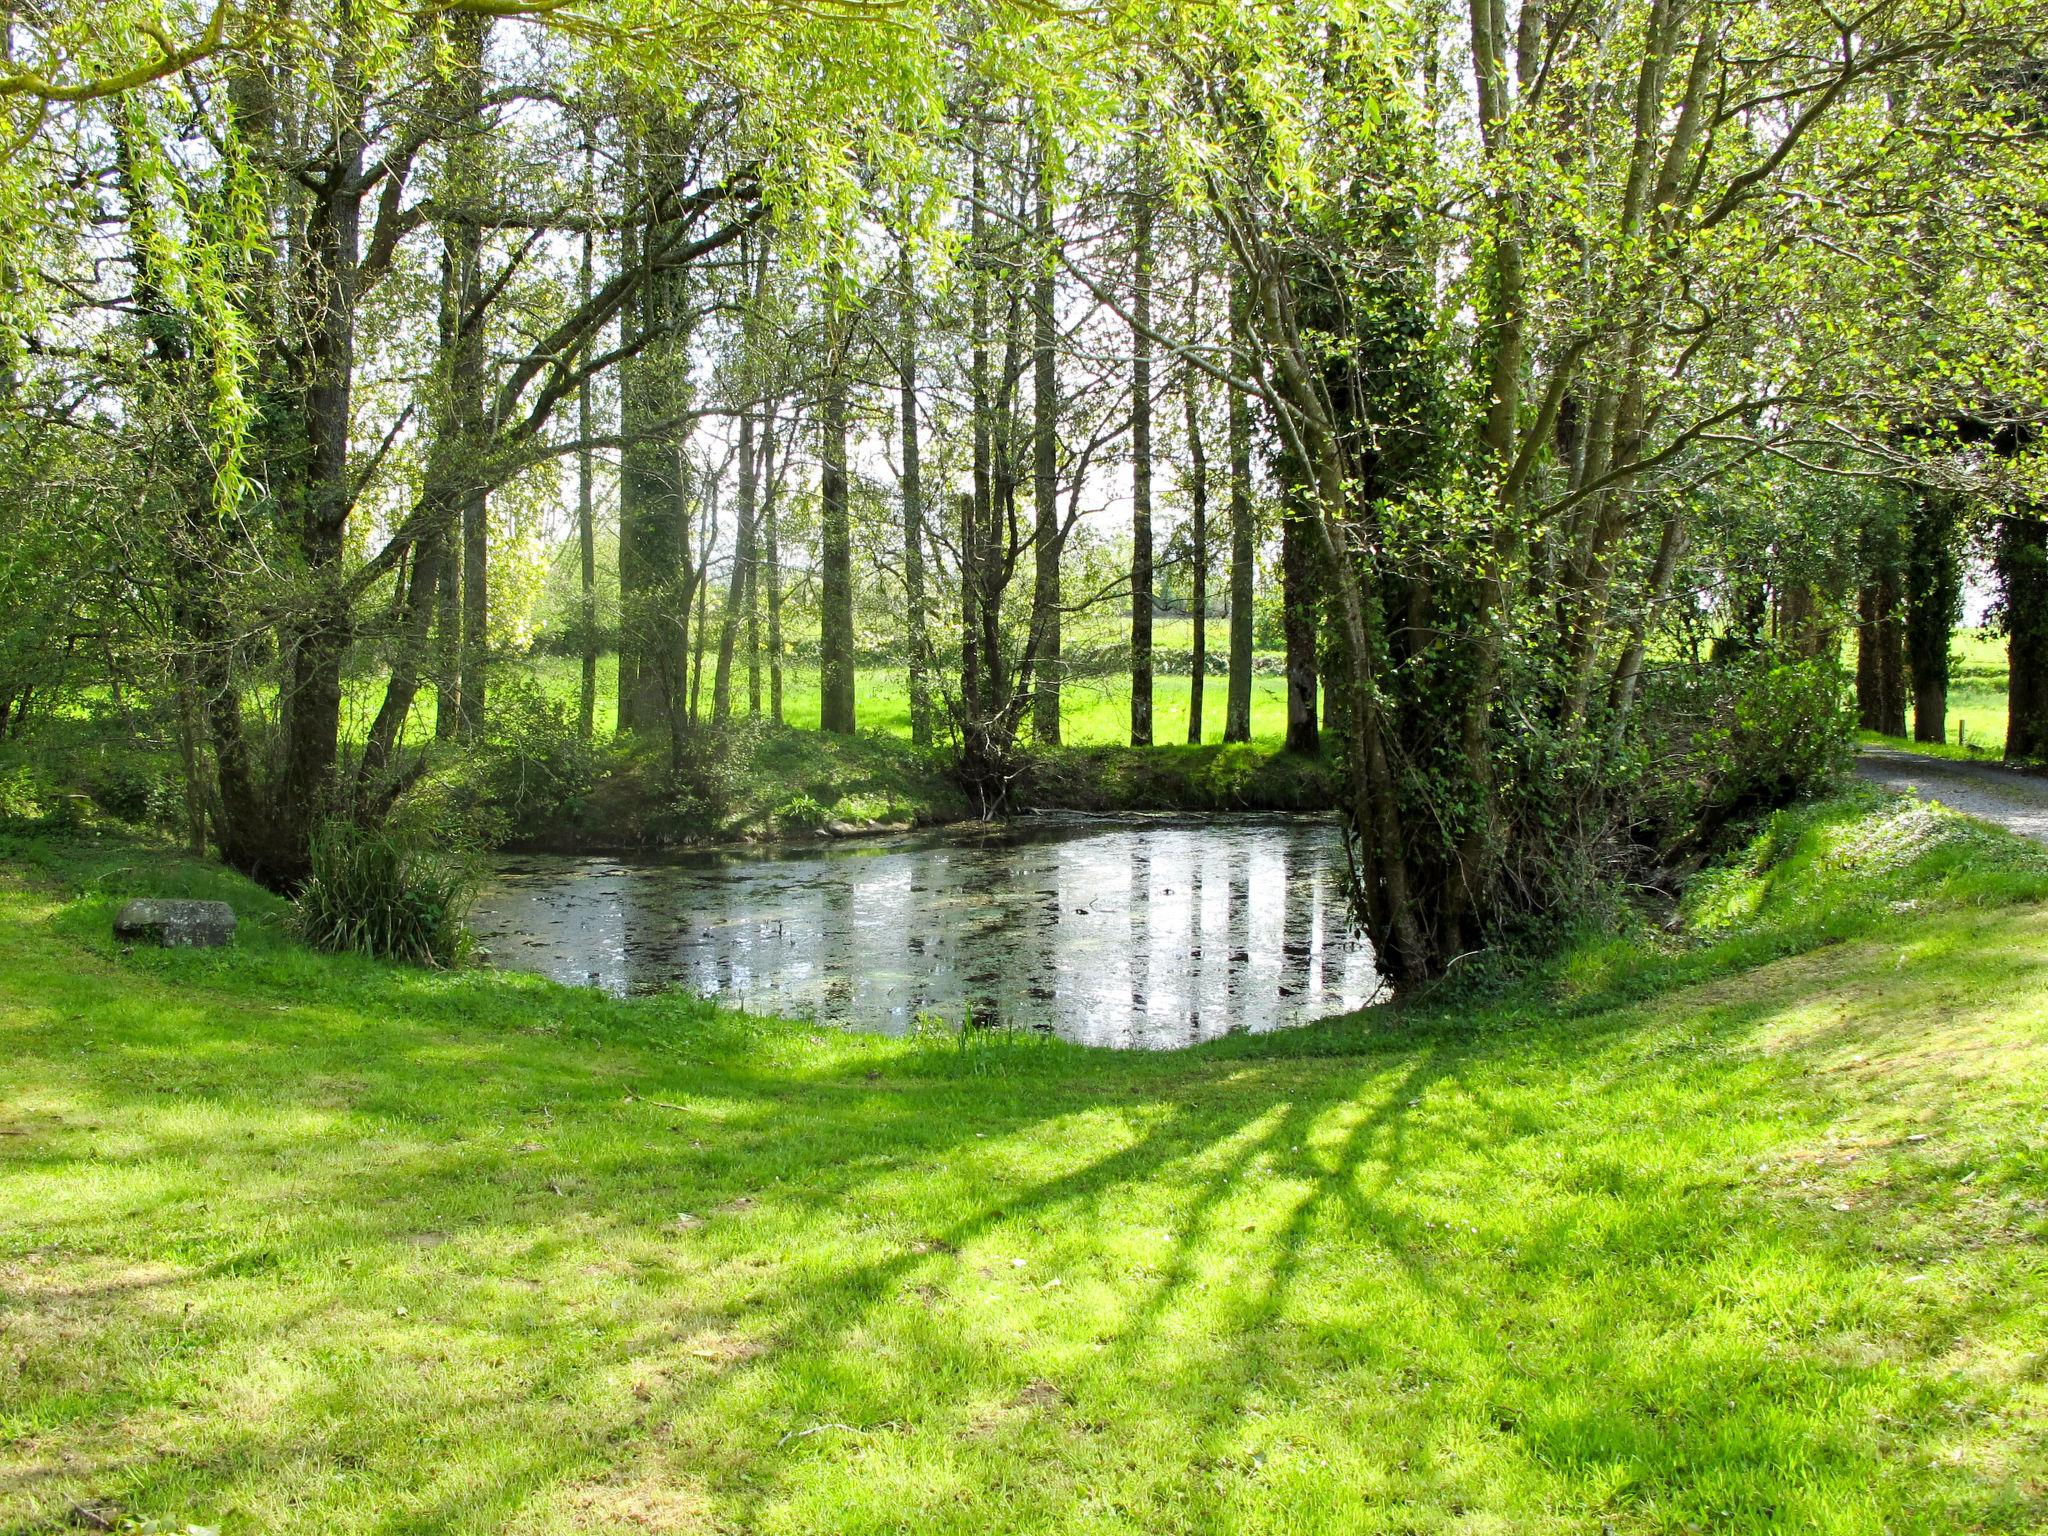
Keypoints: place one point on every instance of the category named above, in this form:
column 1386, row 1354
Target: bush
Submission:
column 802, row 811
column 529, row 771
column 375, row 893
column 1735, row 741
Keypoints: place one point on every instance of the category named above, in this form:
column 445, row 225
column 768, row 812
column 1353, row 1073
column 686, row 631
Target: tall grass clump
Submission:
column 378, row 893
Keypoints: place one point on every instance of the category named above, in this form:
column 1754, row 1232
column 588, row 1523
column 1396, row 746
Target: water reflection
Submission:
column 1110, row 933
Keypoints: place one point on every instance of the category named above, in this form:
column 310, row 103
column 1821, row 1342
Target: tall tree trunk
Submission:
column 1198, row 586
column 475, row 607
column 736, row 586
column 912, row 489
column 1237, row 715
column 1880, row 637
column 1933, row 601
column 586, row 529
column 835, row 618
column 751, row 599
column 654, row 523
column 975, row 507
column 697, row 588
column 1141, row 451
column 1046, row 598
column 772, row 537
column 2020, row 561
column 314, row 639
column 448, row 638
column 1299, row 602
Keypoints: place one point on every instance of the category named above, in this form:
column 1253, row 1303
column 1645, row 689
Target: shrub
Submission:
column 528, row 772
column 375, row 893
column 802, row 811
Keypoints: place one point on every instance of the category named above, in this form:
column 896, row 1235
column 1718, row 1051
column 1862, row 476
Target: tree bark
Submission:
column 586, row 532
column 1198, row 518
column 2020, row 561
column 736, row 585
column 1237, row 715
column 912, row 490
column 772, row 539
column 1141, row 452
column 1046, row 618
column 1299, row 602
column 1933, row 602
column 835, row 619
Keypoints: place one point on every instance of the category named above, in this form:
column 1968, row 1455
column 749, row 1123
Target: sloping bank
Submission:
column 756, row 781
column 1734, row 1229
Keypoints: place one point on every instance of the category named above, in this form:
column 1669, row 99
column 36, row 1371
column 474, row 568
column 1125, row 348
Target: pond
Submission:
column 1136, row 932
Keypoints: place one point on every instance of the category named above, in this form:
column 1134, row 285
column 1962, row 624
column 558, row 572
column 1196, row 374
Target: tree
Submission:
column 1142, row 197
column 836, row 654
column 1933, row 599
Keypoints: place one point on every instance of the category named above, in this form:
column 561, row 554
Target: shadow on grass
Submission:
column 299, row 1233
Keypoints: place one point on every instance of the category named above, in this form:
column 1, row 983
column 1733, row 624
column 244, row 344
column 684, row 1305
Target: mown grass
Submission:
column 1733, row 1230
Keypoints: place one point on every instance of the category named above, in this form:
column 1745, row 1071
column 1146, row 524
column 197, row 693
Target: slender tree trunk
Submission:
column 751, row 598
column 1046, row 598
column 1299, row 601
column 586, row 530
column 772, row 534
column 697, row 586
column 835, row 619
column 475, row 607
column 1237, row 716
column 2021, row 563
column 1198, row 586
column 912, row 488
column 975, row 508
column 1141, row 453
column 736, row 586
column 448, row 640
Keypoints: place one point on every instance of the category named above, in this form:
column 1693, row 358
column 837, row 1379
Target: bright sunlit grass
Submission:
column 297, row 1244
column 1094, row 712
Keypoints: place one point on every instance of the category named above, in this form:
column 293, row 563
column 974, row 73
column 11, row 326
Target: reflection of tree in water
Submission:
column 1297, row 926
column 1153, row 936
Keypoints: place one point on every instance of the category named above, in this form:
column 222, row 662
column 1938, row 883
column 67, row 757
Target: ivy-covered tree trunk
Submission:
column 835, row 617
column 1880, row 636
column 2021, row 562
column 1933, row 602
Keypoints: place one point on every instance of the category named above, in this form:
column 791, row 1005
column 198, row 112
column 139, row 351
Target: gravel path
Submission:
column 2015, row 801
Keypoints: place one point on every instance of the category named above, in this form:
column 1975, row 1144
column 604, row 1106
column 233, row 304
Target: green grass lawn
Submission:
column 298, row 1244
column 1094, row 712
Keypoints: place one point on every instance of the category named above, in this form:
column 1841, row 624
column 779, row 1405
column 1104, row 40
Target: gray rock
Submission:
column 176, row 924
column 863, row 828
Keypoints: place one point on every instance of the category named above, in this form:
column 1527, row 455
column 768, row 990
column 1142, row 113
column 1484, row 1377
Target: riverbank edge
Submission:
column 767, row 787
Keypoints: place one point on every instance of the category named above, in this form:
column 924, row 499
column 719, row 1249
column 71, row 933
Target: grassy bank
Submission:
column 1669, row 1239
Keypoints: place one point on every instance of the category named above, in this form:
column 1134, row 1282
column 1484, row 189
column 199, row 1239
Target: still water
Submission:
column 1126, row 932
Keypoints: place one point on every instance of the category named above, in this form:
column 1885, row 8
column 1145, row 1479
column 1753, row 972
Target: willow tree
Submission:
column 291, row 193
